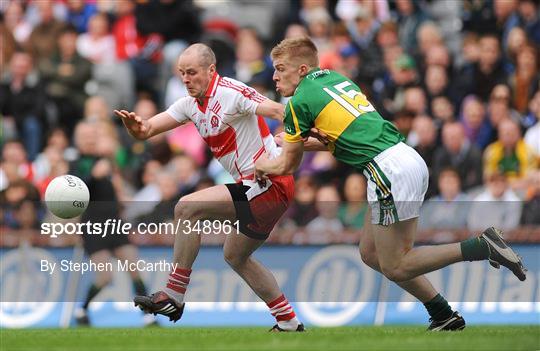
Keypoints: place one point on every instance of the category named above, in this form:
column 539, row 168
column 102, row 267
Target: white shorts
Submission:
column 397, row 180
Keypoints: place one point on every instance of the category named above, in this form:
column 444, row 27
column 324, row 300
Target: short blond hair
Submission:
column 302, row 50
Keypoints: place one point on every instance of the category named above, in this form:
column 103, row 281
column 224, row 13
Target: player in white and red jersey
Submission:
column 227, row 114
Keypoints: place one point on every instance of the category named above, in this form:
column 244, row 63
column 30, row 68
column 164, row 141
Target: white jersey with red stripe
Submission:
column 228, row 123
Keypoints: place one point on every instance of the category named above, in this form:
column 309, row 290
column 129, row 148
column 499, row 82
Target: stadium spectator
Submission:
column 44, row 37
column 506, row 18
column 387, row 35
column 159, row 21
column 480, row 78
column 525, row 80
column 12, row 197
column 409, row 18
column 449, row 209
column 531, row 206
column 473, row 117
column 414, row 100
column 532, row 136
column 340, row 39
column 80, row 13
column 156, row 148
column 498, row 108
column 16, row 23
column 168, row 193
column 251, row 62
column 363, row 31
column 428, row 36
column 424, row 140
column 302, row 209
column 497, row 205
column 349, row 65
column 530, row 19
column 9, row 46
column 442, row 110
column 403, row 74
column 319, row 26
column 436, row 83
column 14, row 154
column 470, row 51
column 65, row 75
column 326, row 227
column 353, row 210
column 517, row 40
column 457, row 152
column 148, row 194
column 97, row 45
column 510, row 155
column 22, row 99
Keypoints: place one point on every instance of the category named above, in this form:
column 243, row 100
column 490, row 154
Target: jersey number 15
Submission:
column 352, row 100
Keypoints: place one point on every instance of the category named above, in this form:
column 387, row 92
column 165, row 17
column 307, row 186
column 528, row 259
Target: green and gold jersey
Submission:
column 334, row 104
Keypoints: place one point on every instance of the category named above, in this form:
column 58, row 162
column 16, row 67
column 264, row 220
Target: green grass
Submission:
column 347, row 338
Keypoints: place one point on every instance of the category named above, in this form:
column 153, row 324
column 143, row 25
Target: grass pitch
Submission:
column 393, row 338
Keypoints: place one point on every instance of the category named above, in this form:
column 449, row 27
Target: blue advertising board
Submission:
column 330, row 286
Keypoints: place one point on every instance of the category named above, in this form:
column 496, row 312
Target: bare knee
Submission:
column 396, row 274
column 186, row 208
column 234, row 259
column 369, row 256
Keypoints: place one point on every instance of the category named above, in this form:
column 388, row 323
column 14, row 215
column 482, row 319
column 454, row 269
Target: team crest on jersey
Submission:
column 248, row 92
column 214, row 121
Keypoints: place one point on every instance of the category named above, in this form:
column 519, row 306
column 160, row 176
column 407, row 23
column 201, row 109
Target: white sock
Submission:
column 291, row 324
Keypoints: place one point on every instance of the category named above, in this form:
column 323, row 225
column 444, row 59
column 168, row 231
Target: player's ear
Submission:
column 303, row 70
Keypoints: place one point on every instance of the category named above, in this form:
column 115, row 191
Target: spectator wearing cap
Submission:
column 389, row 90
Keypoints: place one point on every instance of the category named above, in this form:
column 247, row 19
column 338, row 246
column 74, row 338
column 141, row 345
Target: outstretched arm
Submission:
column 143, row 129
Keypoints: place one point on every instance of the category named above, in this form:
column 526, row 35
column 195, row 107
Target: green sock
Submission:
column 474, row 249
column 438, row 308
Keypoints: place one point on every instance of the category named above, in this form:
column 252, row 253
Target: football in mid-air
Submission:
column 67, row 196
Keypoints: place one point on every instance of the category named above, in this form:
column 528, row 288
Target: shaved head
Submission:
column 204, row 54
column 197, row 66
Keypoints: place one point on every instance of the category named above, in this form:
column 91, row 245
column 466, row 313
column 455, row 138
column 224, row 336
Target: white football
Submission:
column 67, row 196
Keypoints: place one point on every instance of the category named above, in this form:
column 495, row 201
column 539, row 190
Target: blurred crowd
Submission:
column 460, row 80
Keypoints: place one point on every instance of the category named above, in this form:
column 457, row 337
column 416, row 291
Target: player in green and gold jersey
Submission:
column 349, row 126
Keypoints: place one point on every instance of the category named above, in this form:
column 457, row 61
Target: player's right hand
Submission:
column 134, row 123
column 319, row 135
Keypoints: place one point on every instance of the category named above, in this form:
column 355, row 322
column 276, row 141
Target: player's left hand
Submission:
column 259, row 175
